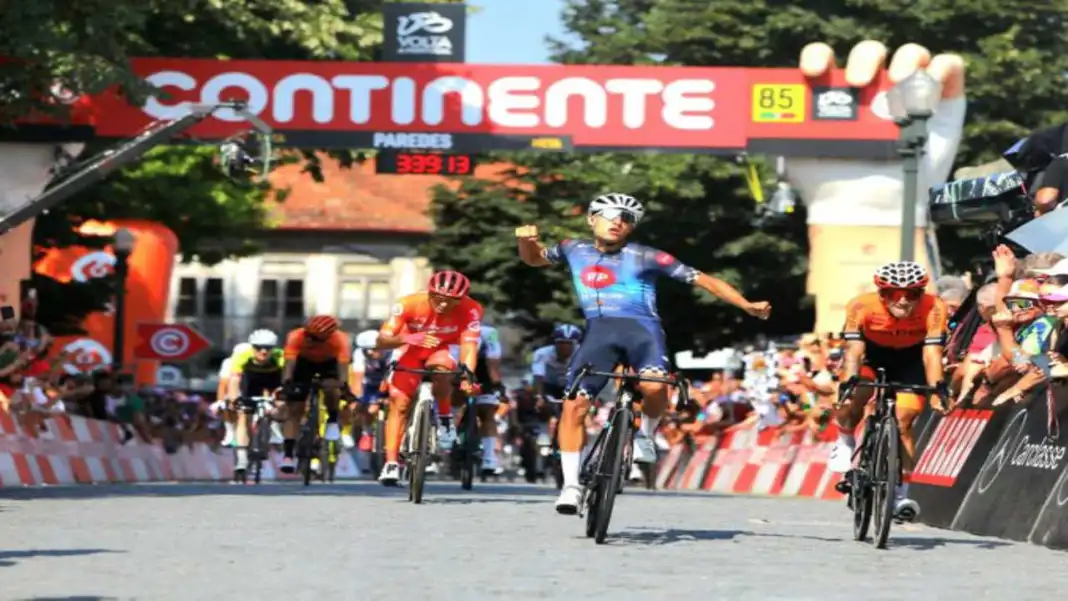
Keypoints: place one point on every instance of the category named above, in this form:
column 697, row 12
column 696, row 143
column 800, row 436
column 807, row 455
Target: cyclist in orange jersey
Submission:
column 901, row 329
column 319, row 347
column 423, row 326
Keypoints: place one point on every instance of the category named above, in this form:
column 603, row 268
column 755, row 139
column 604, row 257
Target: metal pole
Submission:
column 118, row 350
column 913, row 138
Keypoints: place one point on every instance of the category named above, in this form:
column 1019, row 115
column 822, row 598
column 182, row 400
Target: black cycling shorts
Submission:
column 306, row 370
column 902, row 365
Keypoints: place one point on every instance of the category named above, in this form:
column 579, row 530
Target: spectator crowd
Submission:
column 34, row 386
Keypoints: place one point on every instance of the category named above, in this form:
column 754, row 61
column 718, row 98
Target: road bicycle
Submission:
column 258, row 409
column 309, row 443
column 871, row 486
column 609, row 461
column 418, row 447
column 466, row 452
column 377, row 457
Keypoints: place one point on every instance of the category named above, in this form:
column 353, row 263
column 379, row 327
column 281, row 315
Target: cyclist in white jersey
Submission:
column 549, row 365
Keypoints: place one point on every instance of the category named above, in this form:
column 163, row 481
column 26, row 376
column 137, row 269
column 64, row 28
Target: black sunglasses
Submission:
column 262, row 347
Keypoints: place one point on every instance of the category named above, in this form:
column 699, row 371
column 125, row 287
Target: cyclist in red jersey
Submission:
column 424, row 325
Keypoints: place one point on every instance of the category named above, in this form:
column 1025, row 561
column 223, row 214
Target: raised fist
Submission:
column 527, row 232
column 855, row 206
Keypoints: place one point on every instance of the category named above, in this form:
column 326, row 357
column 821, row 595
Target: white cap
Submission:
column 1060, row 268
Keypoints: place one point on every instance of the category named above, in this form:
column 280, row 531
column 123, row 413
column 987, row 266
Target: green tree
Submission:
column 86, row 47
column 699, row 208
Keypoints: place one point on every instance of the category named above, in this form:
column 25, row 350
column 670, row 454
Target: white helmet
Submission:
column 263, row 338
column 615, row 200
column 242, row 347
column 367, row 339
column 901, row 275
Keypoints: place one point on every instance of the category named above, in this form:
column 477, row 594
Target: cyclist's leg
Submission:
column 445, row 394
column 646, row 350
column 241, row 435
column 849, row 415
column 597, row 350
column 295, row 410
column 908, row 369
column 328, row 370
column 402, row 387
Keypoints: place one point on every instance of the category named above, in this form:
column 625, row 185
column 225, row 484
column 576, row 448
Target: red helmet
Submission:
column 449, row 283
column 321, row 325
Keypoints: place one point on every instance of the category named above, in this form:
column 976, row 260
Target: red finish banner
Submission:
column 468, row 108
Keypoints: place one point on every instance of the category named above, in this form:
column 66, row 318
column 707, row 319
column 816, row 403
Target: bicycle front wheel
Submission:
column 262, row 443
column 885, row 478
column 610, row 473
column 420, row 452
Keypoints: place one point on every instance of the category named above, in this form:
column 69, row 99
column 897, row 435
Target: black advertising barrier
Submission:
column 1019, row 474
column 950, row 452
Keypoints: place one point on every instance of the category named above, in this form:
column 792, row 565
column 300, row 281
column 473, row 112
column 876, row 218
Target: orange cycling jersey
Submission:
column 460, row 325
column 301, row 346
column 868, row 319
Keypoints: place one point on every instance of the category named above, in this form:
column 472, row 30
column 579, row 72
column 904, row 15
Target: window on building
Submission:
column 352, row 300
column 365, row 299
column 187, row 298
column 379, row 300
column 214, row 300
column 294, row 299
column 267, row 302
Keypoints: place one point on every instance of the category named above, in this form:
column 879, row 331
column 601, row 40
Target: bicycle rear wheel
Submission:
column 611, row 474
column 420, row 454
column 308, row 435
column 378, row 452
column 470, row 447
column 262, row 442
column 885, row 476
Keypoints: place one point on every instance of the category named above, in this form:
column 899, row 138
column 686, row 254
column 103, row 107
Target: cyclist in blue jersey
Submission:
column 616, row 285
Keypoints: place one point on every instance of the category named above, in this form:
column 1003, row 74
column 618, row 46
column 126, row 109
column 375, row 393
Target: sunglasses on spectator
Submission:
column 614, row 213
column 1019, row 304
column 262, row 347
column 905, row 294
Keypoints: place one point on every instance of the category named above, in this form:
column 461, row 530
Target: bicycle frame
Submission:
column 421, row 448
column 881, row 444
column 604, row 469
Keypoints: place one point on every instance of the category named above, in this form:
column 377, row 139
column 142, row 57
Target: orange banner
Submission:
column 147, row 292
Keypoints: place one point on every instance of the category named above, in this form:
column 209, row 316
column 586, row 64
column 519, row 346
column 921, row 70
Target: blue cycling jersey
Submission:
column 620, row 283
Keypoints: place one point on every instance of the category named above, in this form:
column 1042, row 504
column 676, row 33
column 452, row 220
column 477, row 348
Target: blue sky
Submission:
column 512, row 31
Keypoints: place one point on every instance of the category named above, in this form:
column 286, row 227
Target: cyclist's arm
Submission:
column 536, row 254
column 675, row 269
column 343, row 354
column 223, row 389
column 854, row 342
column 290, row 352
column 493, row 355
column 538, row 370
column 934, row 343
column 359, row 365
column 391, row 334
column 469, row 338
column 235, row 385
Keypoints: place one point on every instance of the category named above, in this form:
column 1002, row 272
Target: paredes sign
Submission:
column 597, row 106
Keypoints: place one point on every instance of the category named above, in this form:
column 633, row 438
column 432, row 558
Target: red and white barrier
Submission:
column 76, row 450
column 747, row 461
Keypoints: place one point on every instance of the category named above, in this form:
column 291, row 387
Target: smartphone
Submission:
column 7, row 312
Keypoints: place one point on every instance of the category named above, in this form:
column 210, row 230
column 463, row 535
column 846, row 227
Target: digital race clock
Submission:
column 423, row 163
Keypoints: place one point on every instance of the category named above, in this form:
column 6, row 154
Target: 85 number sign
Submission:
column 423, row 163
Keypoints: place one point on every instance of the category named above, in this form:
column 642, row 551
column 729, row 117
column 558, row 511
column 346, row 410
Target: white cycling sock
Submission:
column 649, row 425
column 230, row 429
column 903, row 490
column 489, row 449
column 569, row 465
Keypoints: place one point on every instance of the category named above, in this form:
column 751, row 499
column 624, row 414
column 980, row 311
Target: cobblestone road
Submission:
column 362, row 542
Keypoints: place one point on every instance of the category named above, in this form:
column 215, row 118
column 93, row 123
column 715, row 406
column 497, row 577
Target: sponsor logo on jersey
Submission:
column 598, row 277
column 664, row 258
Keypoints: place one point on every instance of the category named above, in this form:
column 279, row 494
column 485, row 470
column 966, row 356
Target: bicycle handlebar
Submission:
column 458, row 374
column 880, row 383
column 674, row 380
